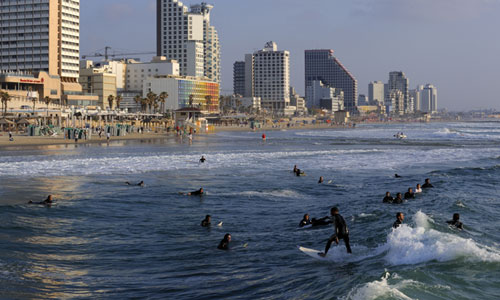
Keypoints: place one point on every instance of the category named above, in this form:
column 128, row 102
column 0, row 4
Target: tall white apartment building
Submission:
column 137, row 72
column 376, row 92
column 429, row 99
column 40, row 35
column 398, row 81
column 271, row 79
column 185, row 34
column 416, row 95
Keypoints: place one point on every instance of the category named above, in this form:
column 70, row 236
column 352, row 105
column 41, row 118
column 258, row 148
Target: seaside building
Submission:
column 298, row 102
column 376, row 92
column 321, row 65
column 100, row 81
column 399, row 82
column 416, row 95
column 185, row 35
column 42, row 36
column 245, row 104
column 239, row 78
column 362, row 100
column 204, row 94
column 429, row 99
column 322, row 96
column 395, row 102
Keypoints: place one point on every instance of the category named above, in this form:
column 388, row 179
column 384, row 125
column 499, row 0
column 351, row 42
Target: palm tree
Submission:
column 119, row 99
column 163, row 99
column 191, row 100
column 111, row 99
column 138, row 100
column 144, row 104
column 5, row 98
column 151, row 100
column 47, row 101
column 208, row 100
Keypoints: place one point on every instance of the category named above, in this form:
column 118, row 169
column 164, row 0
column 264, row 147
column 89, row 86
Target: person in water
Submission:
column 398, row 199
column 397, row 176
column 207, row 221
column 295, row 169
column 47, row 201
column 341, row 232
column 322, row 221
column 321, row 179
column 388, row 198
column 409, row 194
column 141, row 184
column 399, row 220
column 202, row 159
column 196, row 193
column 418, row 190
column 427, row 184
column 456, row 221
column 224, row 244
column 305, row 221
column 299, row 172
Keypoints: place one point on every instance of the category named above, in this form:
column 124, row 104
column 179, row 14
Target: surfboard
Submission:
column 312, row 253
column 220, row 224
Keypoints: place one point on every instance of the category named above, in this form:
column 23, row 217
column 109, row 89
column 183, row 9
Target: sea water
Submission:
column 106, row 240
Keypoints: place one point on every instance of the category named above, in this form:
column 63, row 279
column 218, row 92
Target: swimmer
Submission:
column 399, row 220
column 410, row 194
column 399, row 199
column 141, row 184
column 207, row 221
column 305, row 221
column 397, row 176
column 202, row 159
column 320, row 179
column 418, row 189
column 341, row 232
column 388, row 198
column 196, row 193
column 295, row 169
column 224, row 244
column 427, row 184
column 456, row 221
column 47, row 201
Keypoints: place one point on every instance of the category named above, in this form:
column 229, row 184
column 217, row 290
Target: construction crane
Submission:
column 107, row 54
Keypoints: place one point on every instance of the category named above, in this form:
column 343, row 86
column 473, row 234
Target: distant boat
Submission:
column 400, row 136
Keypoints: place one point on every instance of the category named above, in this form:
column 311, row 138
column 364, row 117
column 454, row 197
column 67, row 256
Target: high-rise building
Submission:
column 416, row 95
column 323, row 66
column 398, row 81
column 324, row 97
column 395, row 102
column 239, row 78
column 41, row 35
column 186, row 35
column 376, row 92
column 429, row 99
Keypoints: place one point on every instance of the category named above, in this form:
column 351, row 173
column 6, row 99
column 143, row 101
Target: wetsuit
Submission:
column 409, row 195
column 198, row 192
column 323, row 221
column 341, row 232
column 427, row 185
column 397, row 201
column 205, row 223
column 456, row 223
column 388, row 199
column 223, row 245
column 202, row 160
column 397, row 224
column 305, row 222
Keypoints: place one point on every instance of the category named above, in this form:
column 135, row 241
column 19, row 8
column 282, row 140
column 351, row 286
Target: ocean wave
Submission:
column 408, row 246
column 266, row 194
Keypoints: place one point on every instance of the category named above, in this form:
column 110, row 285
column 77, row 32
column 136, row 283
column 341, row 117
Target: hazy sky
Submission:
column 453, row 44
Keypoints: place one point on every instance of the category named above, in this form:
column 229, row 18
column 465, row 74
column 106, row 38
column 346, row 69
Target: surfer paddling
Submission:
column 341, row 232
column 224, row 244
column 199, row 192
column 47, row 201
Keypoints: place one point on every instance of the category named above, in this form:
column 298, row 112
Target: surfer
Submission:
column 427, row 184
column 399, row 199
column 456, row 221
column 388, row 198
column 305, row 221
column 141, row 184
column 202, row 159
column 299, row 172
column 410, row 194
column 196, row 193
column 397, row 176
column 320, row 179
column 295, row 169
column 207, row 221
column 418, row 189
column 224, row 244
column 341, row 232
column 47, row 201
column 322, row 221
column 399, row 220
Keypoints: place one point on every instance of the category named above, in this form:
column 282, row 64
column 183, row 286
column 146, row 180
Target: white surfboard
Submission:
column 312, row 253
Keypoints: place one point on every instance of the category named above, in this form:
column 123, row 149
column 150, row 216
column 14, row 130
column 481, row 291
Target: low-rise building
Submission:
column 324, row 97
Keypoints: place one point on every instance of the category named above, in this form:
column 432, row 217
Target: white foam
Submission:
column 407, row 245
column 379, row 288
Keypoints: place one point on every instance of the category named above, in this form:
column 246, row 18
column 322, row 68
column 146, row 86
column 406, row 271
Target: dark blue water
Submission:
column 106, row 240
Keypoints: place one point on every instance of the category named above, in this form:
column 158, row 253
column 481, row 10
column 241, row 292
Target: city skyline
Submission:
column 425, row 40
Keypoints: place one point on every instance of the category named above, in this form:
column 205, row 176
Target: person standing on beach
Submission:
column 11, row 139
column 108, row 136
column 341, row 232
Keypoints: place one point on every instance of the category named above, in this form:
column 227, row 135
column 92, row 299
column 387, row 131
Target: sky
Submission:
column 453, row 44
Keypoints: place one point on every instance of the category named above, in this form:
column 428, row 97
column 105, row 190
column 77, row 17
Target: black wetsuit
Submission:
column 456, row 223
column 397, row 201
column 397, row 224
column 202, row 160
column 197, row 193
column 323, row 221
column 223, row 245
column 305, row 222
column 409, row 195
column 427, row 185
column 341, row 232
column 205, row 223
column 388, row 199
